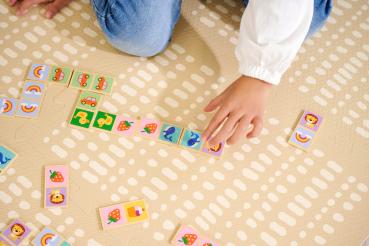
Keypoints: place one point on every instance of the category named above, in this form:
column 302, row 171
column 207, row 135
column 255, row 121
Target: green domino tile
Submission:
column 60, row 75
column 81, row 118
column 89, row 100
column 102, row 84
column 81, row 80
column 104, row 121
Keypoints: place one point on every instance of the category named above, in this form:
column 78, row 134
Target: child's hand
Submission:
column 241, row 104
column 52, row 7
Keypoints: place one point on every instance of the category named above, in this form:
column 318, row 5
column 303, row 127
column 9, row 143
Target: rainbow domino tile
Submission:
column 38, row 72
column 8, row 106
column 33, row 90
column 47, row 237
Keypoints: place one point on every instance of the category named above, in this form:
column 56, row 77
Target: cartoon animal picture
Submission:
column 311, row 120
column 56, row 197
column 150, row 128
column 4, row 159
column 188, row 239
column 124, row 125
column 16, row 231
column 168, row 133
column 114, row 216
column 56, row 176
column 194, row 139
column 135, row 211
column 82, row 117
column 108, row 120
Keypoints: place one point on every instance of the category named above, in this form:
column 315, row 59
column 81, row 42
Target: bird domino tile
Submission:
column 56, row 186
column 123, row 214
column 306, row 129
column 187, row 235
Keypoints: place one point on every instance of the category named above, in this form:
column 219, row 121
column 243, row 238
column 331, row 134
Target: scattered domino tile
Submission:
column 123, row 214
column 8, row 106
column 56, row 197
column 6, row 157
column 16, row 232
column 149, row 128
column 102, row 84
column 81, row 118
column 301, row 138
column 65, row 243
column 88, row 100
column 28, row 109
column 207, row 242
column 311, row 121
column 60, row 75
column 112, row 216
column 170, row 133
column 216, row 150
column 104, row 121
column 56, row 186
column 191, row 139
column 124, row 125
column 136, row 211
column 4, row 242
column 81, row 80
column 186, row 236
column 56, row 176
column 33, row 90
column 38, row 72
column 47, row 237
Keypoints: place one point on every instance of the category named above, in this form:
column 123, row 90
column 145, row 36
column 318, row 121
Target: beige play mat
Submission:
column 262, row 191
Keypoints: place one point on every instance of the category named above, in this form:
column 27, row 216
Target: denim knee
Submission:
column 140, row 28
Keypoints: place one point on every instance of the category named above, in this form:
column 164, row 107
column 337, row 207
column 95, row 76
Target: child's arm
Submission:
column 271, row 33
column 52, row 8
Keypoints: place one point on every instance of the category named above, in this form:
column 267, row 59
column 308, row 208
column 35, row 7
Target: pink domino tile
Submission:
column 149, row 128
column 125, row 125
column 112, row 216
column 56, row 176
column 186, row 236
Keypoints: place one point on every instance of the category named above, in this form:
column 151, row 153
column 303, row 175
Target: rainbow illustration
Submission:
column 37, row 71
column 7, row 106
column 34, row 89
column 301, row 137
column 47, row 238
column 28, row 108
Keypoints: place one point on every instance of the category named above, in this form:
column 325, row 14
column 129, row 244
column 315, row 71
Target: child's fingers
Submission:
column 240, row 131
column 215, row 122
column 213, row 104
column 12, row 2
column 25, row 5
column 226, row 130
column 258, row 126
column 54, row 7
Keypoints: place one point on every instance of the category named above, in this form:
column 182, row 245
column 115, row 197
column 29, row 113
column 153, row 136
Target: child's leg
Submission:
column 138, row 27
column 322, row 9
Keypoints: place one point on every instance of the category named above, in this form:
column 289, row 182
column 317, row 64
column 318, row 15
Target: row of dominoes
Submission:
column 7, row 156
column 73, row 78
column 29, row 103
column 85, row 115
column 187, row 235
column 56, row 193
column 305, row 130
column 17, row 231
column 123, row 214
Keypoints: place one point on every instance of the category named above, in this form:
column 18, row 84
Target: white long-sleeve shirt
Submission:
column 270, row 35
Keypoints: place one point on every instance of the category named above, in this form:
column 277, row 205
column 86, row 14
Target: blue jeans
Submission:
column 145, row 27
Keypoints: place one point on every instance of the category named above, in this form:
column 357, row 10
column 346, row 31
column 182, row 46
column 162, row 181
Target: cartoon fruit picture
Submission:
column 56, row 176
column 114, row 216
column 150, row 128
column 124, row 125
column 188, row 239
column 207, row 244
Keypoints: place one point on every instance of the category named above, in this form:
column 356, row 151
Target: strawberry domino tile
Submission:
column 187, row 235
column 56, row 192
column 123, row 214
